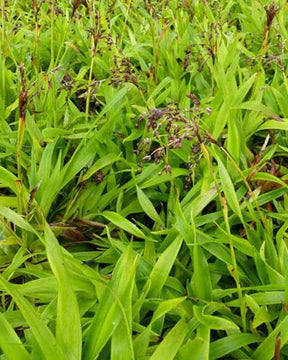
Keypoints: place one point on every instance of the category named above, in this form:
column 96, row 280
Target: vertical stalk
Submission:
column 89, row 82
column 3, row 87
column 51, row 83
column 22, row 105
column 155, row 49
column 52, row 35
column 37, row 33
column 125, row 23
column 62, row 42
column 95, row 32
column 235, row 273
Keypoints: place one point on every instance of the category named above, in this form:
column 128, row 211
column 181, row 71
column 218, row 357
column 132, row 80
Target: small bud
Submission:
column 147, row 158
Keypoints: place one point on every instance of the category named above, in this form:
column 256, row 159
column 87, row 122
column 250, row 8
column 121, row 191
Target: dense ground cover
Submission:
column 143, row 180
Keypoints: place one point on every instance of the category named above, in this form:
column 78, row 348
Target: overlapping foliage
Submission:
column 143, row 179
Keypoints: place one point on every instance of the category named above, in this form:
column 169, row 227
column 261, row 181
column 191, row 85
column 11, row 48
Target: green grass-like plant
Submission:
column 143, row 180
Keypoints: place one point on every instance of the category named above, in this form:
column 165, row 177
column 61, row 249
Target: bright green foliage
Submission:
column 143, row 179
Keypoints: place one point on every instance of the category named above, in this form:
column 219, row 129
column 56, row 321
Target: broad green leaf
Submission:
column 201, row 281
column 16, row 219
column 115, row 99
column 172, row 342
column 8, row 179
column 51, row 187
column 9, row 201
column 141, row 343
column 10, row 343
column 228, row 344
column 81, row 157
column 267, row 347
column 243, row 90
column 159, row 179
column 213, row 322
column 274, row 125
column 268, row 177
column 53, row 132
column 257, row 106
column 163, row 267
column 229, row 190
column 263, row 298
column 123, row 223
column 68, row 322
column 199, row 346
column 159, row 88
column 182, row 225
column 234, row 141
column 114, row 308
column 200, row 202
column 165, row 307
column 100, row 164
column 38, row 327
column 147, row 206
column 221, row 119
